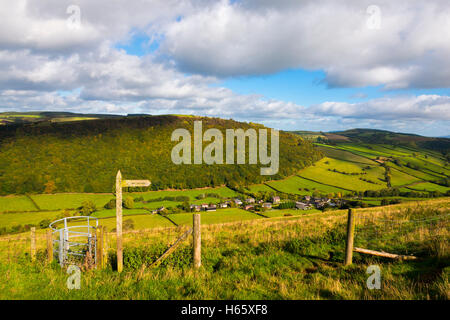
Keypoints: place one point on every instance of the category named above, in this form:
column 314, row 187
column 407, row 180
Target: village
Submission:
column 261, row 205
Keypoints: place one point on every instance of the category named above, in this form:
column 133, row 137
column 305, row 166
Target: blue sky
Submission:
column 292, row 65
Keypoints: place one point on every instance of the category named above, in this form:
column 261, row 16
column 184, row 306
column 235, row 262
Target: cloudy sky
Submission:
column 290, row 64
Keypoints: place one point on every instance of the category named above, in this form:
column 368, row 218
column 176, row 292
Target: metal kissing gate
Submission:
column 76, row 239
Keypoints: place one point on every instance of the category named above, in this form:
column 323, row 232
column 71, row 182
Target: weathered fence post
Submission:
column 350, row 235
column 99, row 254
column 49, row 246
column 197, row 241
column 33, row 244
column 119, row 221
column 105, row 247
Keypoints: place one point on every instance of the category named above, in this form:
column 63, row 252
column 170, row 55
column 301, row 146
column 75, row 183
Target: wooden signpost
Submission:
column 119, row 185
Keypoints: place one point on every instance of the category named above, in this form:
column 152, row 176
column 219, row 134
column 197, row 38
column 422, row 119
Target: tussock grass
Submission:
column 297, row 257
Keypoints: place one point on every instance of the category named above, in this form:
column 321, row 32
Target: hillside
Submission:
column 365, row 159
column 84, row 156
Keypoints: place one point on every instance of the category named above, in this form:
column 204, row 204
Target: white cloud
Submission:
column 409, row 50
column 40, row 57
column 420, row 108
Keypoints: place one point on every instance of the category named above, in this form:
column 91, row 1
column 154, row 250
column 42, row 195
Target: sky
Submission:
column 289, row 64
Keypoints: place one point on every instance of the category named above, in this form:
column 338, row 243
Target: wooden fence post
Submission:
column 197, row 241
column 105, row 247
column 99, row 254
column 119, row 221
column 350, row 235
column 33, row 244
column 49, row 246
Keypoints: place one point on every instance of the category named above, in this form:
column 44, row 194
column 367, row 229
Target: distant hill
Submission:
column 7, row 118
column 441, row 145
column 62, row 152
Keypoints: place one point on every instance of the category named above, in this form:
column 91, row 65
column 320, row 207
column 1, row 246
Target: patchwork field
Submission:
column 322, row 172
column 301, row 186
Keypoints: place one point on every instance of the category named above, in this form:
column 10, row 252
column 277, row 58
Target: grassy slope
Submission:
column 280, row 258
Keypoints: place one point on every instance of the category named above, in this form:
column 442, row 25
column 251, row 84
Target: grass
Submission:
column 319, row 172
column 301, row 186
column 336, row 153
column 9, row 220
column 69, row 200
column 259, row 188
column 16, row 203
column 280, row 258
column 428, row 186
column 214, row 217
column 221, row 191
column 399, row 178
column 140, row 222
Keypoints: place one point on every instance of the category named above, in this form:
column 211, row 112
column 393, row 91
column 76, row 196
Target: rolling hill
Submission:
column 56, row 155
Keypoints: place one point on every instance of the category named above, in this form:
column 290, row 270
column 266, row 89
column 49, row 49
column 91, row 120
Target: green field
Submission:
column 259, row 188
column 399, row 178
column 69, row 200
column 428, row 186
column 221, row 191
column 16, row 203
column 301, row 186
column 9, row 220
column 140, row 222
column 319, row 172
column 213, row 217
column 343, row 155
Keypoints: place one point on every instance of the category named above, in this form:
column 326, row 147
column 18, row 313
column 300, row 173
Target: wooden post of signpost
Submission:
column 350, row 235
column 119, row 221
column 49, row 246
column 119, row 185
column 33, row 243
column 197, row 241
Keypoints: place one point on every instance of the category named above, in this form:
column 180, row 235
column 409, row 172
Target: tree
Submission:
column 128, row 203
column 87, row 208
column 50, row 186
column 111, row 204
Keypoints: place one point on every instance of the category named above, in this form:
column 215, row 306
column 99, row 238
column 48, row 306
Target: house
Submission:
column 212, row 207
column 248, row 206
column 307, row 198
column 223, row 205
column 195, row 207
column 302, row 205
column 250, row 200
column 160, row 209
column 276, row 200
column 238, row 202
column 204, row 205
column 267, row 205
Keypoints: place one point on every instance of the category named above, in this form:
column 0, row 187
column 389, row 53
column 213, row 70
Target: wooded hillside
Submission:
column 84, row 156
